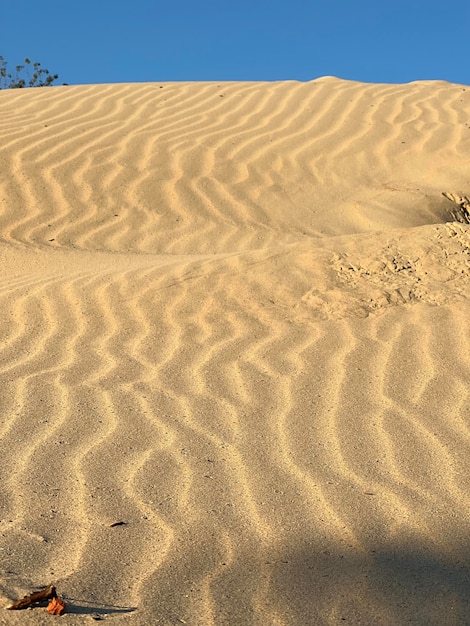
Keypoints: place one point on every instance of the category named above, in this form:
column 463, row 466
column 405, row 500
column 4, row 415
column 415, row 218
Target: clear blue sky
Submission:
column 109, row 41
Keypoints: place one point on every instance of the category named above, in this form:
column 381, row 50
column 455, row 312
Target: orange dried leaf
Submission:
column 34, row 598
column 56, row 606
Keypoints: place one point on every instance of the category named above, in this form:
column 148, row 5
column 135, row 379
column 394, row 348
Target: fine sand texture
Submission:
column 235, row 353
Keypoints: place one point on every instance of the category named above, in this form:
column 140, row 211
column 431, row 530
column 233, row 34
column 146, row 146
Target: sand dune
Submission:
column 234, row 352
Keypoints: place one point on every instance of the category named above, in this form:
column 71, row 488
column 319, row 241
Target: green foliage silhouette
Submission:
column 27, row 75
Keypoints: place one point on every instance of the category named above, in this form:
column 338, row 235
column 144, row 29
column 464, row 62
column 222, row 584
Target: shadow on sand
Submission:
column 98, row 611
column 390, row 586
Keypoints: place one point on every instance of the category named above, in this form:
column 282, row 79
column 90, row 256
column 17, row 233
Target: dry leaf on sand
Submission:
column 38, row 596
column 56, row 606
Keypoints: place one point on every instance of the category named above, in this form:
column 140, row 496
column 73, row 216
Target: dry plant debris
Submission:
column 56, row 606
column 462, row 213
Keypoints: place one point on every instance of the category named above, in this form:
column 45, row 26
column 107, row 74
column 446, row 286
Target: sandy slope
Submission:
column 235, row 317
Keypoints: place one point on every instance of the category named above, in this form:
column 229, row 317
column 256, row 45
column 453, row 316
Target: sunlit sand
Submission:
column 235, row 352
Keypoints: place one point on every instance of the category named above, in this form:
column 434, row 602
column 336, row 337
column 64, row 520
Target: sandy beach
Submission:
column 235, row 353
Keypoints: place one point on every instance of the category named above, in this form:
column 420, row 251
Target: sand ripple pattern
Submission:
column 235, row 380
column 203, row 168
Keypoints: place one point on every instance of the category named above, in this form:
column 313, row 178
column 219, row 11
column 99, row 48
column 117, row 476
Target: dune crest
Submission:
column 234, row 352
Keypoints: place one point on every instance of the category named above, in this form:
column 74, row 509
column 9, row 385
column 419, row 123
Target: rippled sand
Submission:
column 234, row 318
